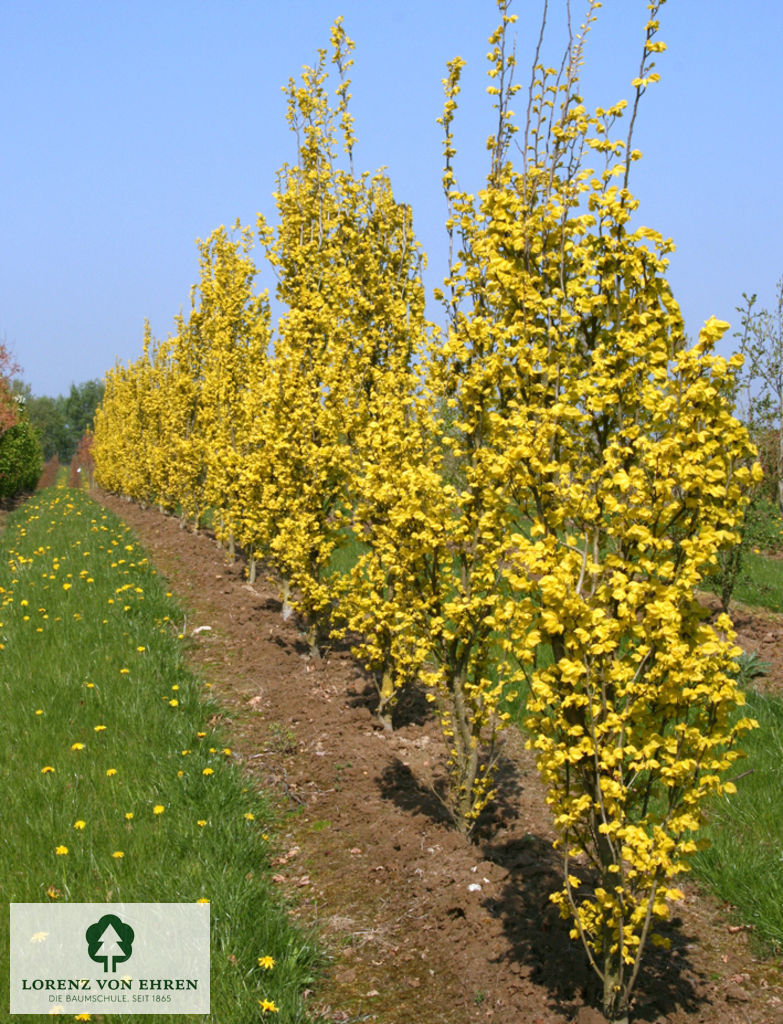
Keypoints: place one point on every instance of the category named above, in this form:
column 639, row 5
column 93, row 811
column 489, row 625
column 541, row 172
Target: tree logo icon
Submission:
column 109, row 941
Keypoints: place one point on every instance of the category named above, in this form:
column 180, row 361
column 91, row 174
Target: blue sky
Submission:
column 133, row 127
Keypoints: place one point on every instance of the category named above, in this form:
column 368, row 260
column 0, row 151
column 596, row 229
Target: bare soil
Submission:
column 420, row 924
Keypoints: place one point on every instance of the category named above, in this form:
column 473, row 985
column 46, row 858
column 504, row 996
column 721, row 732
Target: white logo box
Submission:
column 109, row 958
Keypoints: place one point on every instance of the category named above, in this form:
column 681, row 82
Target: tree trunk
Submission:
column 467, row 755
column 385, row 685
column 286, row 610
column 615, row 996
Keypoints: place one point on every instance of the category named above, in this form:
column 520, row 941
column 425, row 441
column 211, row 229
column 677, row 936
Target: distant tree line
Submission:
column 62, row 421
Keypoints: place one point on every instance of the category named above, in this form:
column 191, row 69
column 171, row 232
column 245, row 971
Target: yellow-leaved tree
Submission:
column 627, row 473
column 164, row 471
column 109, row 424
column 230, row 324
column 185, row 357
column 127, row 428
column 441, row 516
column 347, row 266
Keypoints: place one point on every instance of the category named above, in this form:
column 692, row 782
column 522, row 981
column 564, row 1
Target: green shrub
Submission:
column 21, row 458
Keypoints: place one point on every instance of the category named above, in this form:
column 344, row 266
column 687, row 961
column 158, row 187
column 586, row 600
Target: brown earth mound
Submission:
column 422, row 926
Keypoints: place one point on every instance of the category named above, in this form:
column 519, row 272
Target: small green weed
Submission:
column 282, row 739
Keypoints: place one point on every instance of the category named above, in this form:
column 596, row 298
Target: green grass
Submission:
column 346, row 554
column 761, row 582
column 744, row 863
column 102, row 724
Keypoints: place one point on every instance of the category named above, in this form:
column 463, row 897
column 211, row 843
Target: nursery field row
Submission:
column 538, row 487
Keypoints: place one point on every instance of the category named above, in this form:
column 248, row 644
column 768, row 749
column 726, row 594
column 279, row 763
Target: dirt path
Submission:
column 422, row 927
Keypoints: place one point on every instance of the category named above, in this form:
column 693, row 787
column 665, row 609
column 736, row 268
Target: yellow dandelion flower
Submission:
column 118, row 855
column 124, row 671
column 111, row 771
column 61, row 851
column 99, row 728
column 173, row 703
column 249, row 817
column 202, row 899
column 141, row 649
column 128, row 815
column 46, row 769
column 201, row 823
column 207, row 771
column 53, row 893
column 77, row 746
column 158, row 809
column 39, row 711
column 266, row 963
column 227, row 751
column 267, row 1006
column 79, row 824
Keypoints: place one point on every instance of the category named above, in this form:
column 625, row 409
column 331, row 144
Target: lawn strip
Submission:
column 116, row 787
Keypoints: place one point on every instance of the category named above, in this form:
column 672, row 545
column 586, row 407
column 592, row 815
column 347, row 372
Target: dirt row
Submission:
column 421, row 925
